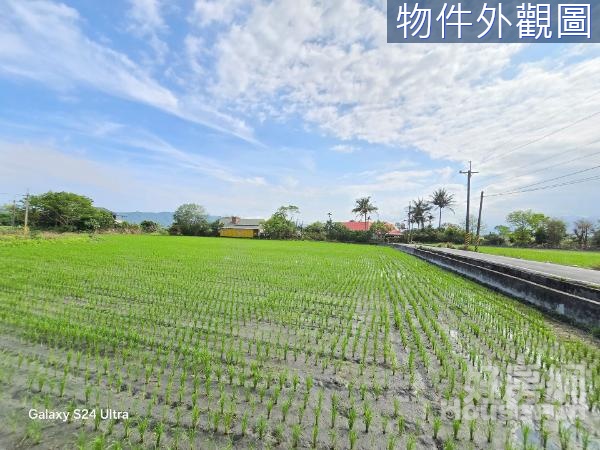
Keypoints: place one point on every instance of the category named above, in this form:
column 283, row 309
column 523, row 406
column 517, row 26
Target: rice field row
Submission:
column 169, row 342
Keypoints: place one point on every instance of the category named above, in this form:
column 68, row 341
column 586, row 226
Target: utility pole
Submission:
column 469, row 175
column 25, row 227
column 479, row 221
column 408, row 224
column 14, row 211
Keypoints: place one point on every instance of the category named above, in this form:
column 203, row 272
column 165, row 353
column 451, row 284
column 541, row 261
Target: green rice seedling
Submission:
column 367, row 416
column 578, row 427
column 461, row 396
column 295, row 382
column 261, row 427
column 262, row 392
column 244, row 423
column 384, row 423
column 333, row 438
column 377, row 390
column 353, row 437
column 97, row 419
column 296, row 432
column 158, row 432
column 472, row 428
column 142, row 427
column 564, row 436
column 363, row 391
column 585, row 439
column 216, row 419
column 99, row 443
column 195, row 416
column 191, row 436
column 126, row 425
column 270, row 404
column 391, row 442
column 491, row 426
column 110, row 427
column 334, row 409
column 411, row 442
column 278, row 433
column 456, row 423
column 449, row 444
column 437, row 424
column 305, row 399
column 525, row 431
column 309, row 383
column 315, row 435
column 545, row 434
column 401, row 425
column 33, row 432
column 71, row 409
column 285, row 407
column 396, row 408
column 351, row 417
column 319, row 405
column 301, row 412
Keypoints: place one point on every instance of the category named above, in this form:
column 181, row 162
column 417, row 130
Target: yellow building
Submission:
column 240, row 228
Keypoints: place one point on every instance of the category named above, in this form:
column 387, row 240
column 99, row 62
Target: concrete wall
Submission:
column 571, row 301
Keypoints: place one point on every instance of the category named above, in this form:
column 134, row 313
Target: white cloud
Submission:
column 146, row 21
column 207, row 12
column 291, row 57
column 452, row 102
column 344, row 148
column 42, row 41
column 146, row 15
column 42, row 167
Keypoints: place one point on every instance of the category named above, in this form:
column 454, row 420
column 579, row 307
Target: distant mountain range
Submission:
column 163, row 218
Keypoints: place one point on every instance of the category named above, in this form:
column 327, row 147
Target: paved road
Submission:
column 588, row 276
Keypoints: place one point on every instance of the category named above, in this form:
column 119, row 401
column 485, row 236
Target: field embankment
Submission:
column 578, row 258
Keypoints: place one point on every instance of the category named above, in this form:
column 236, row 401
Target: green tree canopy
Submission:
column 420, row 212
column 379, row 229
column 149, row 226
column 583, row 229
column 190, row 219
column 442, row 199
column 524, row 223
column 551, row 232
column 364, row 207
column 288, row 212
column 280, row 225
column 66, row 211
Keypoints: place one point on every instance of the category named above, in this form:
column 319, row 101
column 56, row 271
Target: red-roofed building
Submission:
column 355, row 225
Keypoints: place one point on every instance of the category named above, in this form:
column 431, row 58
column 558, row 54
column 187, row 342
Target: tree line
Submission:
column 526, row 228
column 67, row 211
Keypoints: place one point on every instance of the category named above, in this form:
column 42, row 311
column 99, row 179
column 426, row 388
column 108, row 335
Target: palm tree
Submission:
column 420, row 212
column 442, row 199
column 364, row 207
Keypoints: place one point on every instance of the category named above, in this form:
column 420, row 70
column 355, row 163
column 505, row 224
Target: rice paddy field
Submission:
column 173, row 342
column 586, row 259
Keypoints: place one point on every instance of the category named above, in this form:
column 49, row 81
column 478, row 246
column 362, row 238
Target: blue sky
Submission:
column 243, row 106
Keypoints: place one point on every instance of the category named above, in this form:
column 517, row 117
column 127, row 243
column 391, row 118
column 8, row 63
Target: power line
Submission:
column 533, row 141
column 562, row 176
column 567, row 183
column 550, row 97
column 573, row 149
